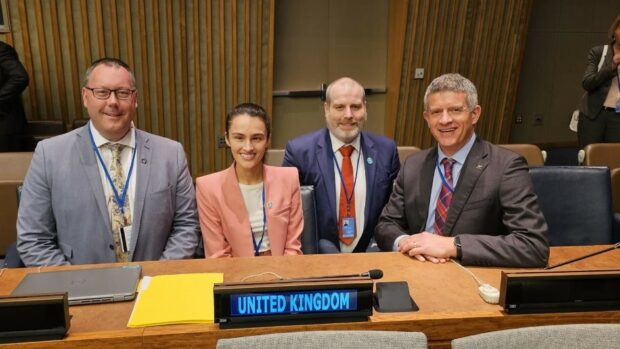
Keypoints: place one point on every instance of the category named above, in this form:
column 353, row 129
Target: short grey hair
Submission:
column 455, row 83
column 342, row 81
column 110, row 62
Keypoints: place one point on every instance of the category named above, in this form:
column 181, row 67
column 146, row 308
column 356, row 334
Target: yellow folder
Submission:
column 175, row 299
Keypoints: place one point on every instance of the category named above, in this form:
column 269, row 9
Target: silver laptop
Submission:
column 85, row 286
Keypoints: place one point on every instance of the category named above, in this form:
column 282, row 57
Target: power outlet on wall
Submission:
column 221, row 141
column 538, row 119
column 519, row 119
column 419, row 73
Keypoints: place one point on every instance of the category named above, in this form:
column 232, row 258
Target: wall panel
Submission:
column 193, row 61
column 483, row 40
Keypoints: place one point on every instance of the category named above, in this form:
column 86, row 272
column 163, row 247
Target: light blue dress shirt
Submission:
column 459, row 157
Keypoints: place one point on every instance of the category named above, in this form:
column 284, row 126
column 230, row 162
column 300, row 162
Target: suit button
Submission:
column 111, row 246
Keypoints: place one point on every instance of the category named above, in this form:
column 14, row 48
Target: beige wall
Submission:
column 317, row 42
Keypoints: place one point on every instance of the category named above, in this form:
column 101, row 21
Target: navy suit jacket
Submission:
column 312, row 155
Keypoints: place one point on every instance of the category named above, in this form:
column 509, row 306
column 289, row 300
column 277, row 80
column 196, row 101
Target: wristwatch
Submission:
column 457, row 244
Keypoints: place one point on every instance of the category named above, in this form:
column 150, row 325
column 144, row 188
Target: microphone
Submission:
column 372, row 274
column 611, row 248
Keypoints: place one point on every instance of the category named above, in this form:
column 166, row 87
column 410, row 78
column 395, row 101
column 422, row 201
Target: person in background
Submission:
column 464, row 198
column 599, row 110
column 107, row 192
column 250, row 209
column 352, row 171
column 13, row 81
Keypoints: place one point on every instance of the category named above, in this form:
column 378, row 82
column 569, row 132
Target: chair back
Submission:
column 602, row 154
column 406, row 151
column 576, row 203
column 8, row 213
column 274, row 157
column 532, row 153
column 14, row 165
column 77, row 123
column 39, row 130
column 602, row 336
column 328, row 339
column 615, row 189
column 12, row 258
column 309, row 236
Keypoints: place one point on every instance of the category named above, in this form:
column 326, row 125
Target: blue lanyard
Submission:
column 443, row 179
column 344, row 187
column 260, row 242
column 120, row 200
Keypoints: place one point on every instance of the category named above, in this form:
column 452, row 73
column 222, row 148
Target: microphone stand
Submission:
column 613, row 247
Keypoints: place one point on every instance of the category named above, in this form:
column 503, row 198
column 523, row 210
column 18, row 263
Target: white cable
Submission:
column 487, row 292
column 278, row 277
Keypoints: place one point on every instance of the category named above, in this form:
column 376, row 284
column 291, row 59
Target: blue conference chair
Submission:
column 576, row 202
column 11, row 257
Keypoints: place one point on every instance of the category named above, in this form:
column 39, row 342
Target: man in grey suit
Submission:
column 107, row 192
column 465, row 198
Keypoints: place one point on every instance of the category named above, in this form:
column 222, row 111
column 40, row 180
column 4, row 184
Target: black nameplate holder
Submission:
column 34, row 317
column 293, row 302
column 564, row 291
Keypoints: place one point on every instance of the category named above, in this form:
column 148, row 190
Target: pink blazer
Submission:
column 224, row 219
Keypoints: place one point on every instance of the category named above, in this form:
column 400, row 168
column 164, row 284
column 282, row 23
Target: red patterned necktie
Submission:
column 346, row 189
column 445, row 197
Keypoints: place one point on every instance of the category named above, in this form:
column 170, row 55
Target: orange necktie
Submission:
column 346, row 189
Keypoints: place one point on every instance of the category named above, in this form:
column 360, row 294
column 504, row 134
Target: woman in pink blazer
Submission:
column 250, row 209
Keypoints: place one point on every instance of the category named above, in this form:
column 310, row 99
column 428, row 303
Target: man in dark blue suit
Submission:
column 347, row 210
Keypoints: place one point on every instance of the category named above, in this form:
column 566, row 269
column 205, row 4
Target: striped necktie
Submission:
column 445, row 197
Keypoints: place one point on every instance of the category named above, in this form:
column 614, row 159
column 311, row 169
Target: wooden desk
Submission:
column 447, row 296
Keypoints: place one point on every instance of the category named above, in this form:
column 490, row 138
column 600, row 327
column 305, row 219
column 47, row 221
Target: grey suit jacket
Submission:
column 596, row 82
column 63, row 216
column 494, row 209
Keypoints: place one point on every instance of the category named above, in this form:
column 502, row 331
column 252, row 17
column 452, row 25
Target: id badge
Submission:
column 348, row 227
column 125, row 238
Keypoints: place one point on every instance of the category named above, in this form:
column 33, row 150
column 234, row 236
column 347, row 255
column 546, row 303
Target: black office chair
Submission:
column 12, row 258
column 576, row 202
column 309, row 235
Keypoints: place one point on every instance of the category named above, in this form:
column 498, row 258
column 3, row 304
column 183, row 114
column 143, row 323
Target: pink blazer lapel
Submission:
column 235, row 221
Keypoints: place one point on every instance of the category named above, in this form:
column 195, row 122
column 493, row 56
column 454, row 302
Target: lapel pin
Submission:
column 369, row 160
column 269, row 204
column 479, row 166
column 144, row 161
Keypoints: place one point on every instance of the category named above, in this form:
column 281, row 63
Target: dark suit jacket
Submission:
column 596, row 82
column 494, row 209
column 13, row 80
column 312, row 155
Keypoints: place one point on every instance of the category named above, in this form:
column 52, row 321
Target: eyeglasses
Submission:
column 452, row 111
column 104, row 93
